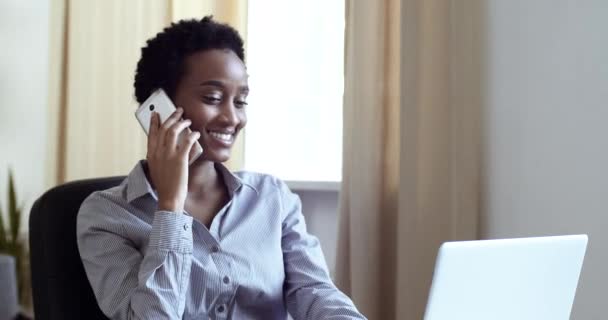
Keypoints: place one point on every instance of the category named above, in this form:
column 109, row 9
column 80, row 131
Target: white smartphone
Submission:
column 160, row 102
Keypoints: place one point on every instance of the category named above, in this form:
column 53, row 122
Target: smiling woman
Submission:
column 212, row 78
column 180, row 241
column 218, row 126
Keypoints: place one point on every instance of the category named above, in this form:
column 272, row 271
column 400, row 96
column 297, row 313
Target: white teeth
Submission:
column 222, row 136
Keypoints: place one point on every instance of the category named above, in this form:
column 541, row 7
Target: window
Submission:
column 295, row 59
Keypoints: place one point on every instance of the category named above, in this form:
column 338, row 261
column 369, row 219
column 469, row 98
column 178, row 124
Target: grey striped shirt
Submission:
column 256, row 261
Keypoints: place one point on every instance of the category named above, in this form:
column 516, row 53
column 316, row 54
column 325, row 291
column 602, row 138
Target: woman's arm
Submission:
column 309, row 291
column 129, row 284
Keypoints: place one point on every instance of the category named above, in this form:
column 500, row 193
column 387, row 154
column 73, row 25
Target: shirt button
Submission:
column 215, row 249
column 226, row 280
column 186, row 227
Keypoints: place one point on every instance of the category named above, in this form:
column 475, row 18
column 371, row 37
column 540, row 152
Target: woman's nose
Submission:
column 229, row 114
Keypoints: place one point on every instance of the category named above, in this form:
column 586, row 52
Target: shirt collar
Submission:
column 232, row 181
column 138, row 184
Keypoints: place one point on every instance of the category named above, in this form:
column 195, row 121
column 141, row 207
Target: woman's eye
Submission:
column 240, row 103
column 211, row 99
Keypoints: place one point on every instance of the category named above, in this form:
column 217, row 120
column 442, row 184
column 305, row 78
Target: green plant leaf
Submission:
column 3, row 239
column 14, row 213
column 17, row 225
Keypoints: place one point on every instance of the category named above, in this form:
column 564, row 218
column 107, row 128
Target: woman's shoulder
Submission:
column 103, row 205
column 110, row 195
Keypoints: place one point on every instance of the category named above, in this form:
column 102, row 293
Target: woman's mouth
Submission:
column 225, row 138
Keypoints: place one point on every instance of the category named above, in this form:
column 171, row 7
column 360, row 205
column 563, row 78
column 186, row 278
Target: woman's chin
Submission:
column 216, row 155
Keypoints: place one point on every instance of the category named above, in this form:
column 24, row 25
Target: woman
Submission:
column 175, row 241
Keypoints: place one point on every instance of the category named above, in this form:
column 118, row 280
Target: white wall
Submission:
column 320, row 209
column 546, row 129
column 23, row 97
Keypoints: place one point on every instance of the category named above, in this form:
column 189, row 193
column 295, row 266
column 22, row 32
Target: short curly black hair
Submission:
column 162, row 59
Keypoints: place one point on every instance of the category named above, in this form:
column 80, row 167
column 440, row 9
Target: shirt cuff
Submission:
column 171, row 231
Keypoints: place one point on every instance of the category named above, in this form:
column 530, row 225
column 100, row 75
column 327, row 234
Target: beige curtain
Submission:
column 411, row 148
column 95, row 46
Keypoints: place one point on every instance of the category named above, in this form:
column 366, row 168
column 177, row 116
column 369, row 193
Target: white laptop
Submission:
column 512, row 279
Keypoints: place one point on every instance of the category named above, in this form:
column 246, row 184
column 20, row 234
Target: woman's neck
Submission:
column 203, row 177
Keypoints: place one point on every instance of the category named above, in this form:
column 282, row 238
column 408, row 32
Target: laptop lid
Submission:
column 523, row 279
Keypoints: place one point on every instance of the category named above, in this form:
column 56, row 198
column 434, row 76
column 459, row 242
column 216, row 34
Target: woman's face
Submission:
column 213, row 93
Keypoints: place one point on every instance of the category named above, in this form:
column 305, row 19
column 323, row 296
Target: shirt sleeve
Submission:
column 309, row 291
column 127, row 283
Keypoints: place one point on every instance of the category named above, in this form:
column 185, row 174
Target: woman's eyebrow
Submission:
column 219, row 84
column 213, row 83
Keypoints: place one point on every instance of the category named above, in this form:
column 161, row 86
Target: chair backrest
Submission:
column 60, row 286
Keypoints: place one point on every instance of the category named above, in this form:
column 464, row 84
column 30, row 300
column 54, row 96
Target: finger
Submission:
column 189, row 141
column 153, row 132
column 173, row 118
column 173, row 134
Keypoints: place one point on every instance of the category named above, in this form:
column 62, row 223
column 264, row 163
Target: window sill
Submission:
column 314, row 185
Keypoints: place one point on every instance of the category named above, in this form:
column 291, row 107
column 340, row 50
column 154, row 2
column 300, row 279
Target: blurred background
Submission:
column 401, row 124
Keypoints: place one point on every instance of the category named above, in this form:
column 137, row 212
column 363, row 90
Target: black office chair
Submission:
column 60, row 287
